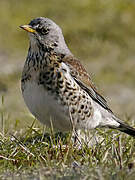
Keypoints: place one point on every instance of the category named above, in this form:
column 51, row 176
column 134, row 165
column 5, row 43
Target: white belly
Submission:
column 44, row 107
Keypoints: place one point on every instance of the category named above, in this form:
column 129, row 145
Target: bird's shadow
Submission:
column 48, row 138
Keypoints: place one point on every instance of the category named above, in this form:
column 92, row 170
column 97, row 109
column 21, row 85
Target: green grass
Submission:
column 35, row 153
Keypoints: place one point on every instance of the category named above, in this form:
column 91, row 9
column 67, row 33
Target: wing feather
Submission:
column 82, row 78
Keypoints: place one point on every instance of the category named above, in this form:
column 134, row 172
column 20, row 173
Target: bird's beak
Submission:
column 28, row 28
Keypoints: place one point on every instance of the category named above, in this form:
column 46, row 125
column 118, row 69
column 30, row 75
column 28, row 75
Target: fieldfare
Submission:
column 54, row 83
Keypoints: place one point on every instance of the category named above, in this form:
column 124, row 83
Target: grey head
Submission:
column 44, row 32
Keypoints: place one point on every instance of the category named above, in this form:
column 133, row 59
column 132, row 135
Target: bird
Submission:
column 56, row 87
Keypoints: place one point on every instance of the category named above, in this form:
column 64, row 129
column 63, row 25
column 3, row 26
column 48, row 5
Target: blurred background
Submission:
column 101, row 33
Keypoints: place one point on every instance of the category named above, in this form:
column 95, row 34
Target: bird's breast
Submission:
column 45, row 106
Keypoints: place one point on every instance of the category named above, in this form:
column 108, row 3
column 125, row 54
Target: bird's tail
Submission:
column 123, row 127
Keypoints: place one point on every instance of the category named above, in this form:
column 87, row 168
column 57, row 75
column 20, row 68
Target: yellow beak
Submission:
column 28, row 28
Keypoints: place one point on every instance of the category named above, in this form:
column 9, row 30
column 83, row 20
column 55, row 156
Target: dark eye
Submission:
column 42, row 31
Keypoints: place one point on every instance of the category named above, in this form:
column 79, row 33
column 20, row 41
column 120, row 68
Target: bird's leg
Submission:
column 75, row 135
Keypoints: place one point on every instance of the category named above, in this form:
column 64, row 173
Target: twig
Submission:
column 21, row 145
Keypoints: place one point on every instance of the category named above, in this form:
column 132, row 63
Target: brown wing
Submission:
column 82, row 78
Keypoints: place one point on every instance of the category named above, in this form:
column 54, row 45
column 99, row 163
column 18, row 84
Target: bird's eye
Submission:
column 42, row 31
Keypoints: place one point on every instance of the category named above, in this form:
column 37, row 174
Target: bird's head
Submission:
column 43, row 31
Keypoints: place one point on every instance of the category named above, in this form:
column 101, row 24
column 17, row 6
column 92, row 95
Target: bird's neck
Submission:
column 38, row 51
column 53, row 43
column 60, row 47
